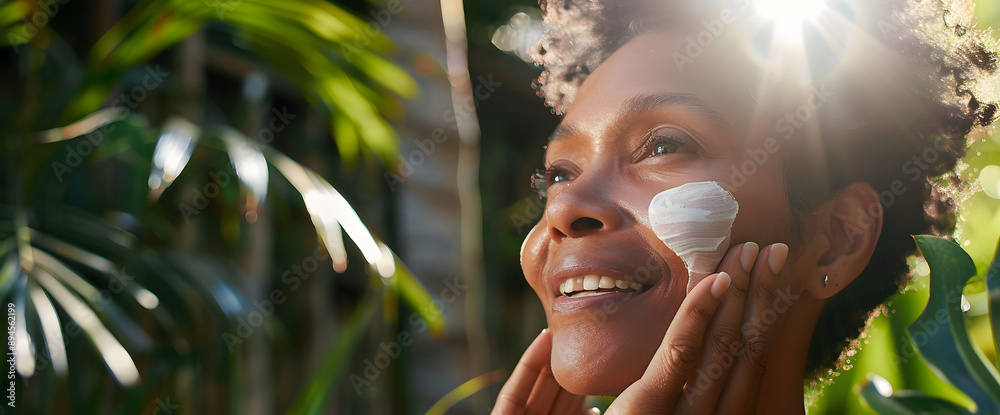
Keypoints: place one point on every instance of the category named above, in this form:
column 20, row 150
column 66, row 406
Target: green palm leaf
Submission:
column 117, row 359
column 322, row 49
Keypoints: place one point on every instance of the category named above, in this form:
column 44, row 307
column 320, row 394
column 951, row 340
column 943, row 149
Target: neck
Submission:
column 781, row 390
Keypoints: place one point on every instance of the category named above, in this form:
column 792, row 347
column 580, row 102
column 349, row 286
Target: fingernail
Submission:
column 545, row 330
column 750, row 251
column 776, row 258
column 721, row 284
column 595, row 410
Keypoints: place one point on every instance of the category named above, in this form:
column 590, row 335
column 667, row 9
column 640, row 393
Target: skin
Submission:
column 680, row 346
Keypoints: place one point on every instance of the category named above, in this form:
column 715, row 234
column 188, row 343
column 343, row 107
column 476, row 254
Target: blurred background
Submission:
column 307, row 206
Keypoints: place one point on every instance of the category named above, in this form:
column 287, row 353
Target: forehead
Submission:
column 724, row 75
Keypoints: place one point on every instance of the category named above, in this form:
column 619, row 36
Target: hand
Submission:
column 532, row 389
column 681, row 379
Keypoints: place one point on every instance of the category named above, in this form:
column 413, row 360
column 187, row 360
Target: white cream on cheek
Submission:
column 695, row 221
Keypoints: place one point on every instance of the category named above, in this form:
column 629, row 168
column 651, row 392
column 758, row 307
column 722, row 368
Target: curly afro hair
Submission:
column 909, row 154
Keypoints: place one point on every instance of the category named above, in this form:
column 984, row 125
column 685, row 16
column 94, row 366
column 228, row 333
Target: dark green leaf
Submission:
column 906, row 402
column 993, row 289
column 948, row 349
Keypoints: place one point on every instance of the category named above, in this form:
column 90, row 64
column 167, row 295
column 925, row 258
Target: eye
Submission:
column 542, row 180
column 666, row 140
column 664, row 147
column 555, row 175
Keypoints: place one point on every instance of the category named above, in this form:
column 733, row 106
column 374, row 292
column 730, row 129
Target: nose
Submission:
column 584, row 207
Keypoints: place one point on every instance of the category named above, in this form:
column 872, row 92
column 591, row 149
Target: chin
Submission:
column 604, row 337
column 595, row 372
column 602, row 355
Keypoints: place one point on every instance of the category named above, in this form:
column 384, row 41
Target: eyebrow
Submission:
column 650, row 102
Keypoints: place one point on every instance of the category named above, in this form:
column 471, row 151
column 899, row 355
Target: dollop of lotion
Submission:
column 695, row 221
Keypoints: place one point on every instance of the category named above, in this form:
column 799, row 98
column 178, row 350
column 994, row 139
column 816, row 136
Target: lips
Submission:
column 583, row 276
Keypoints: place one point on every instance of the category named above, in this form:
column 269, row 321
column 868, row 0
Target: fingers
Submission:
column 722, row 341
column 545, row 393
column 767, row 304
column 660, row 386
column 515, row 394
column 566, row 403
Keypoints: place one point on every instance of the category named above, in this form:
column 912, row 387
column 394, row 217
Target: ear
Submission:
column 847, row 230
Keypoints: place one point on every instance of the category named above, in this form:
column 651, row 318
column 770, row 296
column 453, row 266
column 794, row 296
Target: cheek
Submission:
column 534, row 249
column 765, row 215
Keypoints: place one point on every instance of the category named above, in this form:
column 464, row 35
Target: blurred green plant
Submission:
column 941, row 337
column 170, row 309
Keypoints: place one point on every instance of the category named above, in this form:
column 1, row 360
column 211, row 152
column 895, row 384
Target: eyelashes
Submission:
column 540, row 183
column 661, row 141
column 543, row 178
column 666, row 140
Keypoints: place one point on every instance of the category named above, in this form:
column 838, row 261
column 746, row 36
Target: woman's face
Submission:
column 640, row 125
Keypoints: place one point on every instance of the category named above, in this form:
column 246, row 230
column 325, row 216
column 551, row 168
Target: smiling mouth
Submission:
column 593, row 285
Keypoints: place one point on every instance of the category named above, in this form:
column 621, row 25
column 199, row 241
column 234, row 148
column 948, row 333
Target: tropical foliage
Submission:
column 102, row 299
column 941, row 336
column 159, row 237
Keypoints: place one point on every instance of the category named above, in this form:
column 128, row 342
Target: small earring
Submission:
column 826, row 279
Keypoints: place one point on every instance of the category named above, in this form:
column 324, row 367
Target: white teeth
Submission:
column 589, row 284
column 592, row 293
column 606, row 283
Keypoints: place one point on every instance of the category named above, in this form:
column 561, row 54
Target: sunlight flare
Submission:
column 789, row 15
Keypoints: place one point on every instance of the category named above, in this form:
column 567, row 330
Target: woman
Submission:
column 836, row 130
